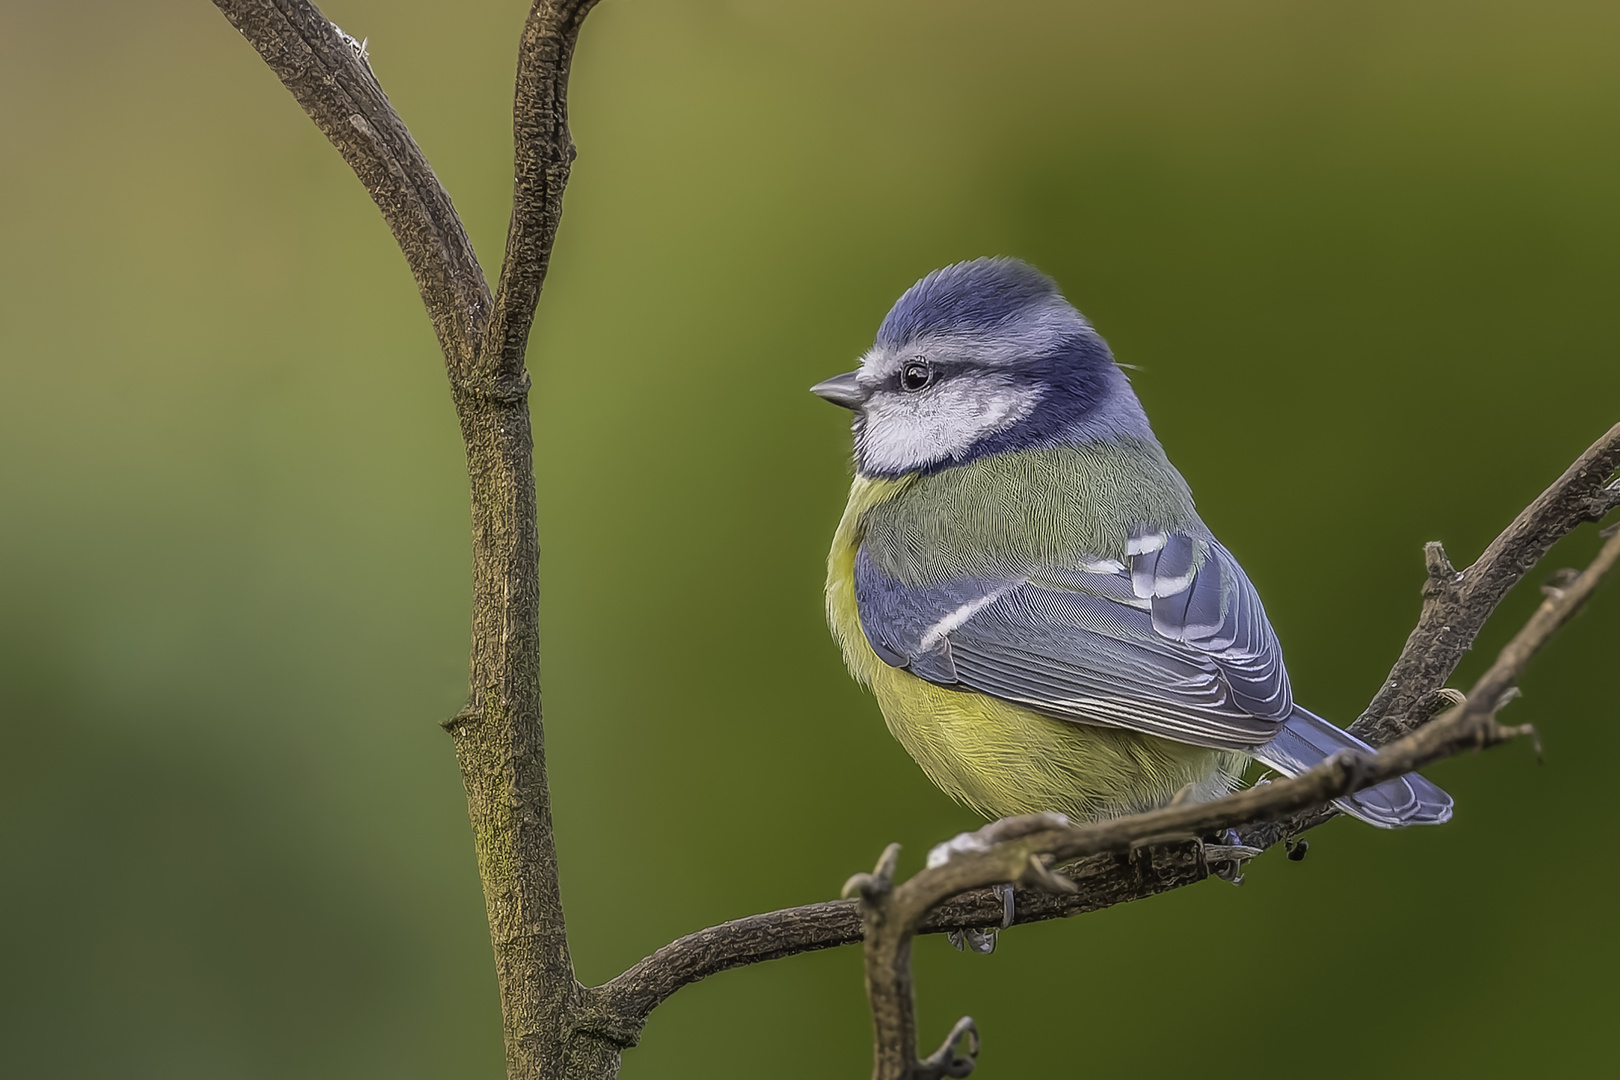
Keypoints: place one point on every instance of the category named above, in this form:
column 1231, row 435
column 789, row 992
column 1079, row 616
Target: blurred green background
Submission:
column 1366, row 256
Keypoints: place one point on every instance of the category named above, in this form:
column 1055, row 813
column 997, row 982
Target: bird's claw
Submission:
column 1037, row 874
column 1226, row 856
column 983, row 941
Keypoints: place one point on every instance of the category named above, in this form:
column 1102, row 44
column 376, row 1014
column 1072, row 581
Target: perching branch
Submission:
column 498, row 735
column 1584, row 493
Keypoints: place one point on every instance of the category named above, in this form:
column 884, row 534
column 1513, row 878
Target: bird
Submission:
column 1022, row 581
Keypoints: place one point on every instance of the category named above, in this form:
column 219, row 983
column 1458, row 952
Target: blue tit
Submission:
column 1022, row 581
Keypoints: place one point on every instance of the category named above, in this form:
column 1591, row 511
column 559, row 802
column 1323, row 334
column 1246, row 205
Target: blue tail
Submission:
column 1306, row 739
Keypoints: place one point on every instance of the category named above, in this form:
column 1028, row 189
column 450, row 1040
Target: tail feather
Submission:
column 1306, row 739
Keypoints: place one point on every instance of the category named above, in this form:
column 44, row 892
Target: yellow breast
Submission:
column 997, row 757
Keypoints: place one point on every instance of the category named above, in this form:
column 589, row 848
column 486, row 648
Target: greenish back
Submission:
column 1028, row 509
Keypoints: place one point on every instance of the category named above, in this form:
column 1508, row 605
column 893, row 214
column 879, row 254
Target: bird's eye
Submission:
column 915, row 376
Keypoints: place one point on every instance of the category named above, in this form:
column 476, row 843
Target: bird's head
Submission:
column 979, row 358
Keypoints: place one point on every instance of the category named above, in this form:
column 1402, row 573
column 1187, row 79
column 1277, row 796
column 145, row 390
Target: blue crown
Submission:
column 967, row 297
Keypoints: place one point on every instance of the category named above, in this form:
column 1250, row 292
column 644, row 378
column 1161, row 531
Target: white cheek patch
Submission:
column 903, row 432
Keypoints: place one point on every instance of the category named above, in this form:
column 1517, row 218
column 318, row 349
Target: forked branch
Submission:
column 498, row 735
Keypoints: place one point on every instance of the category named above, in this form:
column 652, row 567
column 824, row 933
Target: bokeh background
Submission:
column 1366, row 257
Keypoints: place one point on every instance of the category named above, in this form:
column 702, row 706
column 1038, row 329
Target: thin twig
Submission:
column 1457, row 604
column 545, row 152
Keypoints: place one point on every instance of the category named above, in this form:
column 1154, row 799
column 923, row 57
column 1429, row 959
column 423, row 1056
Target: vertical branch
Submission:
column 889, row 986
column 498, row 735
column 545, row 151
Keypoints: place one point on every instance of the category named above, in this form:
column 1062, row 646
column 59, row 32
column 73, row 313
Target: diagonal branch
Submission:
column 327, row 73
column 618, row 1008
column 1457, row 604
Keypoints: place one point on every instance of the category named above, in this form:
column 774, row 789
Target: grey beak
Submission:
column 840, row 390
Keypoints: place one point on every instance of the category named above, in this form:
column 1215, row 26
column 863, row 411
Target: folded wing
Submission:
column 1173, row 642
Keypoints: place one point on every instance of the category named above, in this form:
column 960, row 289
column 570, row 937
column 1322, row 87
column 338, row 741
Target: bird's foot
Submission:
column 983, row 941
column 1225, row 855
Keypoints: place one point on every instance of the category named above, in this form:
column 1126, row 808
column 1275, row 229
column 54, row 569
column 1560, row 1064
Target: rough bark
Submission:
column 498, row 736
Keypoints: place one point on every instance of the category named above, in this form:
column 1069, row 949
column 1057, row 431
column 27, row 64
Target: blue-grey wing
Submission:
column 1173, row 642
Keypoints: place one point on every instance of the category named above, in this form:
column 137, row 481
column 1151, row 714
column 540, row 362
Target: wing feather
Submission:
column 1175, row 643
